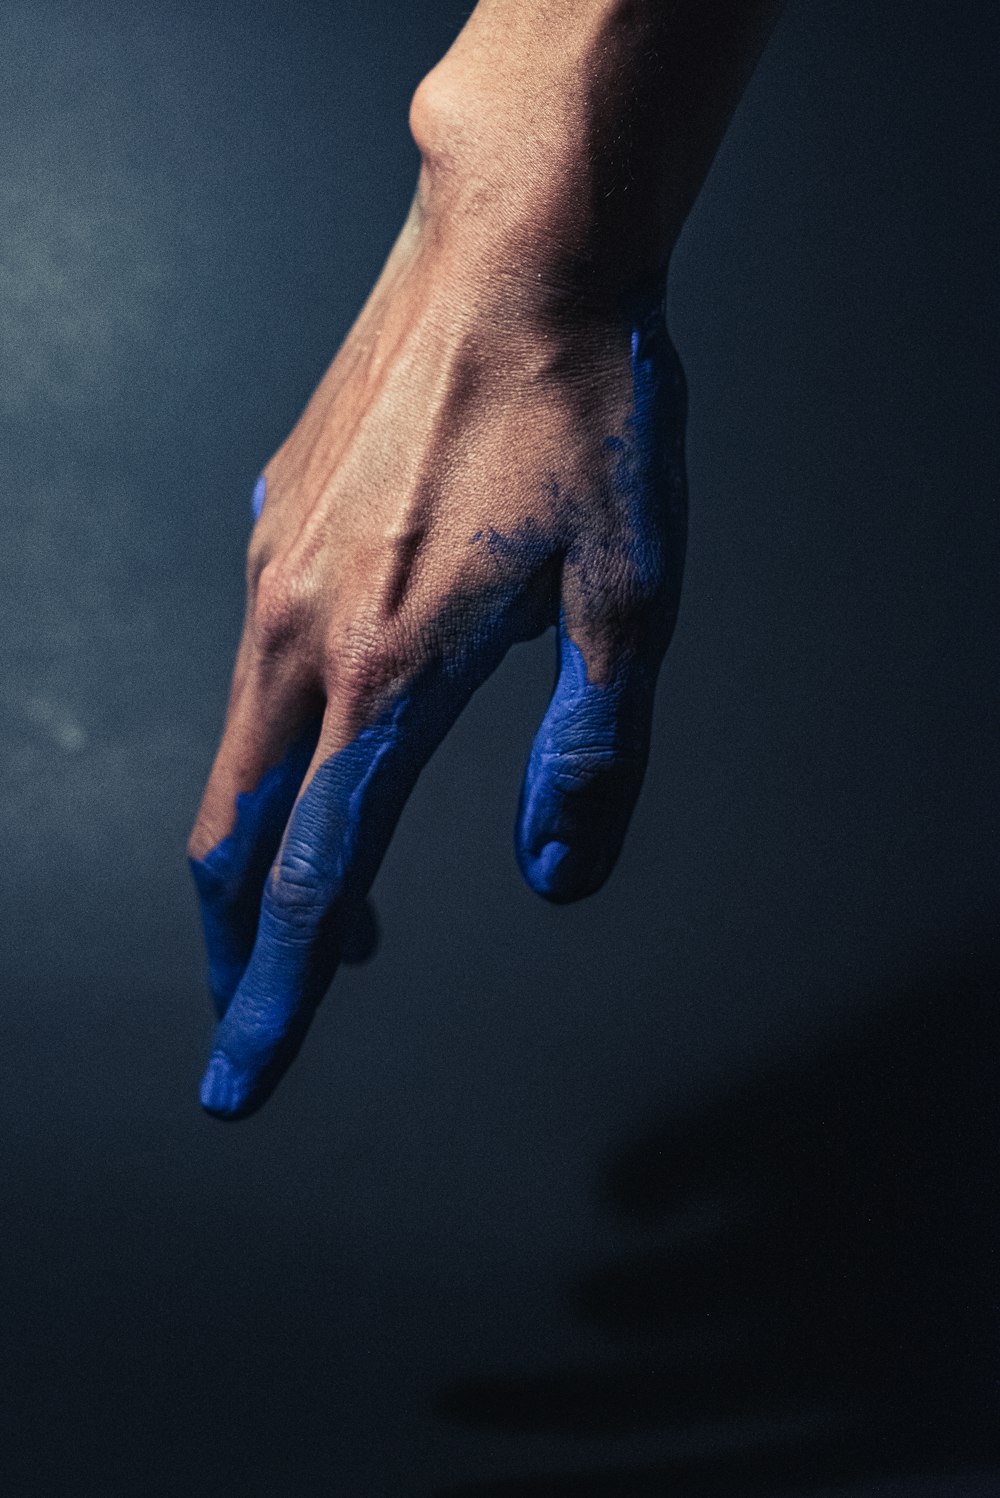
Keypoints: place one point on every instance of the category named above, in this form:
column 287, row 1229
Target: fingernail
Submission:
column 220, row 1092
column 562, row 872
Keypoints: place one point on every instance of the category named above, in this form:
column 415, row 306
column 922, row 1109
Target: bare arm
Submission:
column 582, row 129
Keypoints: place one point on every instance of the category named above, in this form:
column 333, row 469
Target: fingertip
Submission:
column 221, row 1093
column 230, row 1095
column 562, row 873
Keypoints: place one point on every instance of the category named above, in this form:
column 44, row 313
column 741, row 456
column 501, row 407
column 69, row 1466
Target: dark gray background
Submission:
column 689, row 1190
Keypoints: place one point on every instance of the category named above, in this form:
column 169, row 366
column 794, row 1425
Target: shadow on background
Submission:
column 810, row 1281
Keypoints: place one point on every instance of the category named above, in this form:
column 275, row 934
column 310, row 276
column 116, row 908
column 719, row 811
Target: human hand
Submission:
column 493, row 451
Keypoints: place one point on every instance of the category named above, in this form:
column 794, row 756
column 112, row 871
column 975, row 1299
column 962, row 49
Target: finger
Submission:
column 335, row 840
column 584, row 773
column 230, row 878
column 270, row 737
column 272, row 729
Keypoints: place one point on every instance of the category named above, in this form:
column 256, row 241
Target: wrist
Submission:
column 536, row 192
column 568, row 141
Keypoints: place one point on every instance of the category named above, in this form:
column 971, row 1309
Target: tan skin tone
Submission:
column 562, row 147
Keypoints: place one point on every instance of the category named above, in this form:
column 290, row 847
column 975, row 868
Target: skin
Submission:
column 497, row 448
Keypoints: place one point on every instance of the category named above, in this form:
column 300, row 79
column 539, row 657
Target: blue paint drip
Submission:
column 259, row 495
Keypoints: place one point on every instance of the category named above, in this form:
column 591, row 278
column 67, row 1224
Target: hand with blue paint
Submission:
column 497, row 448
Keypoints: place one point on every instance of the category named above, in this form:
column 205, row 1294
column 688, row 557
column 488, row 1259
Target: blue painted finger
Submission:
column 335, row 841
column 230, row 879
column 583, row 777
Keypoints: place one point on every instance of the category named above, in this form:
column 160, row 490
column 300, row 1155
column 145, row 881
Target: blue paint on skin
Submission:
column 278, row 914
column 335, row 841
column 649, row 459
column 589, row 756
column 230, row 879
column 524, row 543
column 259, row 495
column 583, row 776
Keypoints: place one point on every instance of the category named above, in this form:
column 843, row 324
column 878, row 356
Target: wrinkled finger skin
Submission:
column 462, row 479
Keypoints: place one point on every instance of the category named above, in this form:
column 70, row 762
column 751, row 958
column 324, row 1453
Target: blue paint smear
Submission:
column 258, row 497
column 583, row 776
column 589, row 756
column 649, row 469
column 526, row 544
column 230, row 879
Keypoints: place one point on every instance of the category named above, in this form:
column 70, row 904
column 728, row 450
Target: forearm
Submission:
column 571, row 137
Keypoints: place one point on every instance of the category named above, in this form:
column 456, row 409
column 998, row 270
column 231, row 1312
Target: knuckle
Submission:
column 294, row 899
column 258, row 556
column 364, row 667
column 279, row 609
column 624, row 596
column 641, row 588
column 637, row 614
column 204, row 837
column 592, row 763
